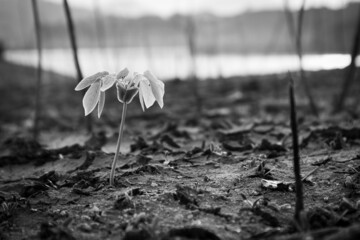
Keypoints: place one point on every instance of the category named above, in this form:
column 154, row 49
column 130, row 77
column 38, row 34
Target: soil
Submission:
column 219, row 168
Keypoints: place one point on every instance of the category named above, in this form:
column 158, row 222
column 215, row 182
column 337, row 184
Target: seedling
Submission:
column 150, row 89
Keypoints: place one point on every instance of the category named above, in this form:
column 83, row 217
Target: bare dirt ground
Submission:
column 224, row 173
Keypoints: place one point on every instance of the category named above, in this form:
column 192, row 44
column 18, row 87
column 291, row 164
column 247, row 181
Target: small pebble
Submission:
column 123, row 202
column 196, row 222
column 64, row 213
column 94, row 209
column 327, row 183
column 357, row 205
column 140, row 217
column 179, row 217
column 349, row 182
column 285, row 206
column 94, row 225
column 346, row 204
column 233, row 229
column 326, row 199
column 206, row 179
column 255, row 193
column 85, row 218
column 154, row 184
column 85, row 227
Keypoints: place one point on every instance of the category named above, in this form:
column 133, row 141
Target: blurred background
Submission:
column 229, row 37
column 226, row 65
column 243, row 49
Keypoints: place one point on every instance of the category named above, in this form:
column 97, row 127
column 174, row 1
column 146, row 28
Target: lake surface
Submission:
column 170, row 62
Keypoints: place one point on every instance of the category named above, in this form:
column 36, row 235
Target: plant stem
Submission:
column 298, row 184
column 113, row 165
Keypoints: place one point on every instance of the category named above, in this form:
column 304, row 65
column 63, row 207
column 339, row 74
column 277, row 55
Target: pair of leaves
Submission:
column 99, row 83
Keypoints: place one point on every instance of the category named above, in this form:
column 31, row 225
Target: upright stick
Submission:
column 71, row 30
column 297, row 171
column 38, row 105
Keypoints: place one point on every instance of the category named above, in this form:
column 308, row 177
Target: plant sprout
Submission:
column 149, row 87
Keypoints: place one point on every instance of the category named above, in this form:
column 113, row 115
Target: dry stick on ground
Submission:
column 191, row 34
column 297, row 172
column 71, row 29
column 350, row 70
column 298, row 46
column 38, row 105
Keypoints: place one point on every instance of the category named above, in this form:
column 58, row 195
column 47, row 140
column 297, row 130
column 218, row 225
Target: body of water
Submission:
column 171, row 62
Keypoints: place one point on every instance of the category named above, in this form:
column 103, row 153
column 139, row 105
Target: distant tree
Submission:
column 191, row 42
column 100, row 29
column 296, row 33
column 71, row 29
column 2, row 50
column 350, row 70
column 146, row 42
column 217, row 47
column 38, row 105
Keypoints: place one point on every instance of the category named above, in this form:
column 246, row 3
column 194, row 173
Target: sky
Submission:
column 166, row 8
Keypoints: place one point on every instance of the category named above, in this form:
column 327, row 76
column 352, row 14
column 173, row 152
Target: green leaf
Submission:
column 91, row 97
column 145, row 93
column 90, row 80
column 122, row 74
column 107, row 82
column 141, row 101
column 101, row 103
column 157, row 87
